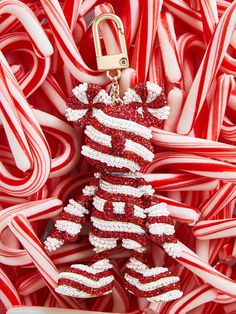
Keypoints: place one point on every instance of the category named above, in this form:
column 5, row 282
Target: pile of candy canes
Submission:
column 187, row 47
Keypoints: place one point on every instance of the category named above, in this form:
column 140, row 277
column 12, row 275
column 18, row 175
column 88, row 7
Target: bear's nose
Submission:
column 118, row 143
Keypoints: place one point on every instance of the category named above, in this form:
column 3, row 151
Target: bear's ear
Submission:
column 84, row 98
column 150, row 101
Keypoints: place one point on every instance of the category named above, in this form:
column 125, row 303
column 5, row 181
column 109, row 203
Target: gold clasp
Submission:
column 115, row 61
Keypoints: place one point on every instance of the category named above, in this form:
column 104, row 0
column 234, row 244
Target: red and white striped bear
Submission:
column 121, row 205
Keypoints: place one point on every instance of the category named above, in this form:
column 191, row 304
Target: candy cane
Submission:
column 180, row 182
column 193, row 145
column 156, row 70
column 168, row 46
column 215, row 229
column 208, row 69
column 66, row 161
column 176, row 98
column 37, row 210
column 21, row 228
column 224, row 87
column 145, row 38
column 203, row 270
column 37, row 142
column 218, row 200
column 185, row 13
column 19, row 42
column 8, row 294
column 66, row 45
column 203, row 294
column 39, row 40
column 12, row 124
column 210, row 19
column 193, row 164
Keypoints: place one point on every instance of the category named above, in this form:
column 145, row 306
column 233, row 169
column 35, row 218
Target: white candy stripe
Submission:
column 111, row 161
column 70, row 227
column 121, row 124
column 151, row 285
column 116, row 226
column 125, row 189
column 87, row 281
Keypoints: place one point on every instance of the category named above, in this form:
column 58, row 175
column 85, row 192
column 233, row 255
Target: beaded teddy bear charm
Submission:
column 121, row 204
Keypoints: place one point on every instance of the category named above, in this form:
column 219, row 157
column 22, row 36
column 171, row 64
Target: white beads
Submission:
column 75, row 208
column 52, row 244
column 80, row 92
column 103, row 243
column 151, row 285
column 131, row 96
column 110, row 160
column 117, row 226
column 132, row 245
column 87, row 281
column 157, row 210
column 154, row 91
column 96, row 268
column 160, row 113
column 126, row 190
column 102, row 97
column 161, row 229
column 70, row 227
column 167, row 296
column 89, row 190
column 122, row 124
column 74, row 114
column 172, row 249
column 72, row 292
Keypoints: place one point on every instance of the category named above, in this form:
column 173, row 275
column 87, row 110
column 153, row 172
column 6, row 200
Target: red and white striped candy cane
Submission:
column 20, row 226
column 214, row 204
column 168, row 46
column 215, row 229
column 39, row 40
column 208, row 70
column 145, row 38
column 193, row 164
column 35, row 211
column 203, row 270
column 66, row 45
column 8, row 293
column 193, row 145
column 224, row 86
column 180, row 182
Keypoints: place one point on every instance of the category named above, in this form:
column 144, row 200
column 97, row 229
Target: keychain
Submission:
column 121, row 205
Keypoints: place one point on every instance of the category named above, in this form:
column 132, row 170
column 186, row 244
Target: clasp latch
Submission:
column 114, row 61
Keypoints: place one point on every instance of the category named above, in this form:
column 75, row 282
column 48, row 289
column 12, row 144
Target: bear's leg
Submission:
column 156, row 284
column 88, row 281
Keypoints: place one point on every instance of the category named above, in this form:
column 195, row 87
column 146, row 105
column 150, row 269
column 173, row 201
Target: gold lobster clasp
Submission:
column 114, row 61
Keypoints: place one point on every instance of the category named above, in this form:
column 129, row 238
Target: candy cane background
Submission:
column 187, row 47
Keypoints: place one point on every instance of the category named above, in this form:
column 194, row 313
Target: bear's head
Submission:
column 118, row 137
